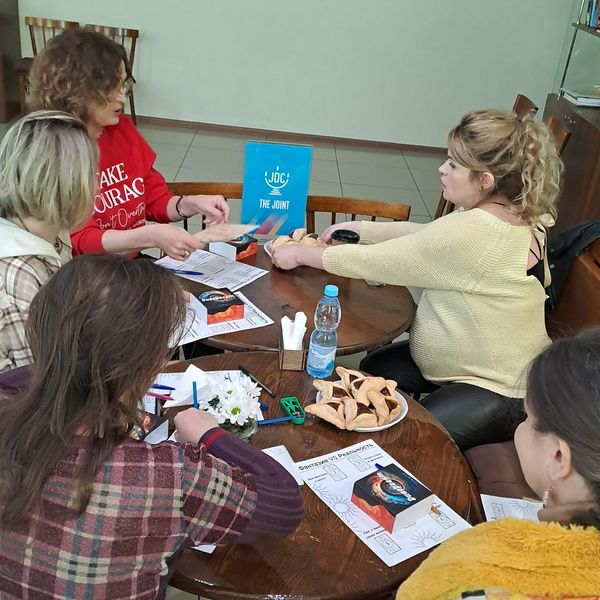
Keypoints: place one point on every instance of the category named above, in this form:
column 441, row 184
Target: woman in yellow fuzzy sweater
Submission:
column 559, row 451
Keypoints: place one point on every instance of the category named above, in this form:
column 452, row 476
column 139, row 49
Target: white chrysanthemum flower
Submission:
column 233, row 402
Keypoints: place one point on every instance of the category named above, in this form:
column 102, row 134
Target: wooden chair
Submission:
column 128, row 39
column 331, row 204
column 524, row 106
column 559, row 132
column 350, row 206
column 41, row 30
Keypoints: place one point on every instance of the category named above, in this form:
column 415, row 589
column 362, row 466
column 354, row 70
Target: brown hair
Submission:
column 76, row 68
column 520, row 154
column 563, row 392
column 99, row 332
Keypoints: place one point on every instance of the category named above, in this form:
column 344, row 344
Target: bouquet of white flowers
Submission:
column 234, row 403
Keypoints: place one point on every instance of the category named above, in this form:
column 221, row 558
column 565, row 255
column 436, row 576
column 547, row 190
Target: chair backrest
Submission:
column 559, row 132
column 444, row 207
column 524, row 106
column 331, row 204
column 126, row 37
column 41, row 30
column 350, row 206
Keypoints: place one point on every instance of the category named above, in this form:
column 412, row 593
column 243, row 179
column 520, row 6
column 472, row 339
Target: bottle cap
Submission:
column 331, row 291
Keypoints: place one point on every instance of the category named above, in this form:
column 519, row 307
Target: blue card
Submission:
column 276, row 180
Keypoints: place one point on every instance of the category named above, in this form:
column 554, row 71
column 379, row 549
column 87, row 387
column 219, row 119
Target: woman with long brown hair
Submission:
column 559, row 451
column 86, row 511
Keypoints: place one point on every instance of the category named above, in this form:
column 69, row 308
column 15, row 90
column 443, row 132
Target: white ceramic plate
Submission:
column 267, row 247
column 403, row 412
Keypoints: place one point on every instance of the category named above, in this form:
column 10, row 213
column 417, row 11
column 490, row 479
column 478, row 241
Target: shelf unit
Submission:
column 577, row 26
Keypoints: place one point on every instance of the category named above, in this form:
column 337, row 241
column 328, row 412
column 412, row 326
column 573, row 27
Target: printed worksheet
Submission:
column 196, row 327
column 332, row 477
column 213, row 270
column 497, row 507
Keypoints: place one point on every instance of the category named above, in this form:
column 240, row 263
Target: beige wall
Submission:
column 390, row 70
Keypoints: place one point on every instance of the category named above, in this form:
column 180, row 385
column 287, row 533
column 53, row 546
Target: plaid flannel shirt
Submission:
column 146, row 502
column 21, row 277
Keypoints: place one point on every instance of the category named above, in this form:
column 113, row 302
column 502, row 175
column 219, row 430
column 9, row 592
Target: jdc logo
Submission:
column 277, row 180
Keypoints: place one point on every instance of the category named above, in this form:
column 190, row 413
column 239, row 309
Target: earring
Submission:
column 545, row 497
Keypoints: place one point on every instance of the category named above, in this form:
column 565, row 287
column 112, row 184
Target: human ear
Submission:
column 487, row 181
column 561, row 465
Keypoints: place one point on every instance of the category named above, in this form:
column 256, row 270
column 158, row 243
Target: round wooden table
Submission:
column 322, row 559
column 371, row 316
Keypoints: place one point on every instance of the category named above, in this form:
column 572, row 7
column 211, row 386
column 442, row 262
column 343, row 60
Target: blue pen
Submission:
column 195, row 394
column 160, row 386
column 181, row 272
column 277, row 420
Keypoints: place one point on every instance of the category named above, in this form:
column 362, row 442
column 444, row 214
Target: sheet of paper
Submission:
column 332, row 477
column 282, row 456
column 195, row 322
column 198, row 329
column 207, row 548
column 497, row 507
column 217, row 272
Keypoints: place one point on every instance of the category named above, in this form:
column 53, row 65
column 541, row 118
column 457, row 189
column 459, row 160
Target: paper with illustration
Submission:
column 332, row 477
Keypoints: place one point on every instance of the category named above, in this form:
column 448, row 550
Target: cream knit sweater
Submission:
column 480, row 319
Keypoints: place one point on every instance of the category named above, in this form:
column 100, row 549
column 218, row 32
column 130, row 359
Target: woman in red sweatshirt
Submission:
column 86, row 73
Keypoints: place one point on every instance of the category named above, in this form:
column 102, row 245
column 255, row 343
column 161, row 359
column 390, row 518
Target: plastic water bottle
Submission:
column 323, row 340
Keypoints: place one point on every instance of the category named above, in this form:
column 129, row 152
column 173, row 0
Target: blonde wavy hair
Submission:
column 76, row 69
column 48, row 167
column 520, row 154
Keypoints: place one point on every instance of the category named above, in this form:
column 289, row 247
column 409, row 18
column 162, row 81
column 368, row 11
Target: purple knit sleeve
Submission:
column 279, row 505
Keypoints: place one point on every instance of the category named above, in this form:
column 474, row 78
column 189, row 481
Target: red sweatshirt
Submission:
column 130, row 190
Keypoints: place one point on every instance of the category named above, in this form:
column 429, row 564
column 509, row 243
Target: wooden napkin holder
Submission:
column 291, row 360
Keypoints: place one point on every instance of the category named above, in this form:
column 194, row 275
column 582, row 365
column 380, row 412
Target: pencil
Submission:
column 256, row 380
column 195, row 394
column 159, row 396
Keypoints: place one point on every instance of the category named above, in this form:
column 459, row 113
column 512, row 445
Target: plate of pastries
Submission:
column 358, row 402
column 297, row 237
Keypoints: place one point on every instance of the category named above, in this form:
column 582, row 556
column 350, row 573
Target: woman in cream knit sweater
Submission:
column 480, row 320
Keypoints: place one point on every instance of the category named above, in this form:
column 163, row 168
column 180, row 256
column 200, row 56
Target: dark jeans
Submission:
column 472, row 415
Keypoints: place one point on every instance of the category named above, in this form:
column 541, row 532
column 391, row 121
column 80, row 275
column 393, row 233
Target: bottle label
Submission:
column 320, row 360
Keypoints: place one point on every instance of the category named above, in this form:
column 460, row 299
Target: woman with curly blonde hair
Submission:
column 86, row 74
column 480, row 320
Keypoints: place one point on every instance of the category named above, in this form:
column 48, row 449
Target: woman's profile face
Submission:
column 109, row 113
column 534, row 453
column 457, row 184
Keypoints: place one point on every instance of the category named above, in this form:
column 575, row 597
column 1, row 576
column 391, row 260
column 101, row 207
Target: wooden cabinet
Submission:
column 580, row 198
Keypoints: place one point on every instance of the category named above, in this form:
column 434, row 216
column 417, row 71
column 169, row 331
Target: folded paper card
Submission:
column 182, row 394
column 221, row 305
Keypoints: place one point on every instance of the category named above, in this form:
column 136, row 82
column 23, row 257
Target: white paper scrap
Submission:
column 332, row 477
column 497, row 507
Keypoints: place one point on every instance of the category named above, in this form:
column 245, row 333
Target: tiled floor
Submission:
column 338, row 169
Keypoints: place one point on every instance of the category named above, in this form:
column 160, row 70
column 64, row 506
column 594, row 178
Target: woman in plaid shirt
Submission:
column 48, row 169
column 86, row 511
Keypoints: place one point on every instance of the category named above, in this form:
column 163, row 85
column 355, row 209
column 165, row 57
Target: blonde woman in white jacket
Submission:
column 48, row 169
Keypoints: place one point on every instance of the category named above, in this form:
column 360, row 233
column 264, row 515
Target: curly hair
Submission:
column 520, row 154
column 77, row 68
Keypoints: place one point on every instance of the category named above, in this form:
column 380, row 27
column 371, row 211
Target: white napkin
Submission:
column 182, row 394
column 293, row 332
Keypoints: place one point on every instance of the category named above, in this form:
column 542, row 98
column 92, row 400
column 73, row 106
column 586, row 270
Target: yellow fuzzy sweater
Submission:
column 480, row 319
column 527, row 560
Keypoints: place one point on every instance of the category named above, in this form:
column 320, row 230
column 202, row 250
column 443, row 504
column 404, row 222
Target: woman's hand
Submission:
column 351, row 225
column 214, row 208
column 286, row 256
column 214, row 233
column 174, row 241
column 192, row 424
